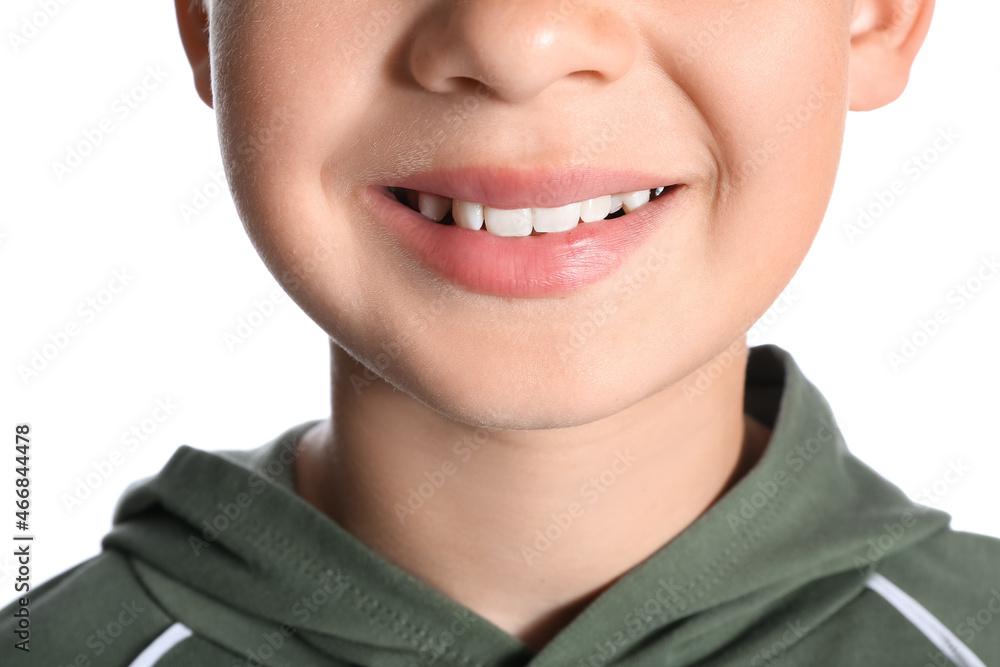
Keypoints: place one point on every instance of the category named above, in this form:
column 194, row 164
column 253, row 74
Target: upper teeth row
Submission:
column 521, row 221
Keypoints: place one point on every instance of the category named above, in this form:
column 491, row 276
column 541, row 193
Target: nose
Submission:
column 520, row 48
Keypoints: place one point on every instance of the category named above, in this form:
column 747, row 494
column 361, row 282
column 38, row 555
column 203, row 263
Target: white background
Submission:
column 162, row 336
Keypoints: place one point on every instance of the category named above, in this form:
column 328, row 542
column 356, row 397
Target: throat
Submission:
column 485, row 535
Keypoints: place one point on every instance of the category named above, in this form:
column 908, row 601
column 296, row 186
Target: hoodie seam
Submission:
column 374, row 609
column 264, row 537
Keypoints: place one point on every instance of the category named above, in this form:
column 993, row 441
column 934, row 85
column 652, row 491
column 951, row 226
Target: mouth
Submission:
column 524, row 221
column 503, row 233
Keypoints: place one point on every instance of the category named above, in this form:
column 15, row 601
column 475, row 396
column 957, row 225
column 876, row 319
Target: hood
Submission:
column 223, row 543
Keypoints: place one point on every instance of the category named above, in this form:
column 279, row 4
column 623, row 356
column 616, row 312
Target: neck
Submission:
column 525, row 528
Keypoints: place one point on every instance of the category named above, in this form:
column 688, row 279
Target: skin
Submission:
column 743, row 101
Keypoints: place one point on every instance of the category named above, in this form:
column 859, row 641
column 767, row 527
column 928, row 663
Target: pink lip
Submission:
column 541, row 265
column 507, row 188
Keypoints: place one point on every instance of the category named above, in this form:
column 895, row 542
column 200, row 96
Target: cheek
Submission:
column 774, row 109
column 290, row 109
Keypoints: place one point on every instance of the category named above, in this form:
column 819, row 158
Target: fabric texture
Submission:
column 777, row 570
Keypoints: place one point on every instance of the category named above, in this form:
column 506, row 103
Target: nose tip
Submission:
column 520, row 48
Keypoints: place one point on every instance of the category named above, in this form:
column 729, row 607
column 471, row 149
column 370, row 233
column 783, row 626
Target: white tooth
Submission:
column 633, row 200
column 467, row 215
column 596, row 209
column 515, row 222
column 616, row 204
column 433, row 206
column 560, row 219
column 659, row 190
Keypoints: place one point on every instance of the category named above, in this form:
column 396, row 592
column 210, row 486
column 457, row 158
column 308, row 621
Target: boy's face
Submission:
column 740, row 103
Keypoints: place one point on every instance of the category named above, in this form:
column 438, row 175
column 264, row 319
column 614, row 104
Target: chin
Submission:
column 498, row 394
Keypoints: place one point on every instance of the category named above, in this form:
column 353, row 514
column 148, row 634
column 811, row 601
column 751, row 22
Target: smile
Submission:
column 522, row 233
column 523, row 221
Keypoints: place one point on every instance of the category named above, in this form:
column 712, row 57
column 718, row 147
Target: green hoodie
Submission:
column 811, row 559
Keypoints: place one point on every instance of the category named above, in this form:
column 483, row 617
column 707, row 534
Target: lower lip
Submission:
column 542, row 265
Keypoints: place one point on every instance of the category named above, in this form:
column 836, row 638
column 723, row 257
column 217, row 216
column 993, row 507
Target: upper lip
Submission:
column 511, row 188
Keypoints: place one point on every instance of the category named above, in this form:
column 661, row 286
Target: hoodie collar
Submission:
column 226, row 527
